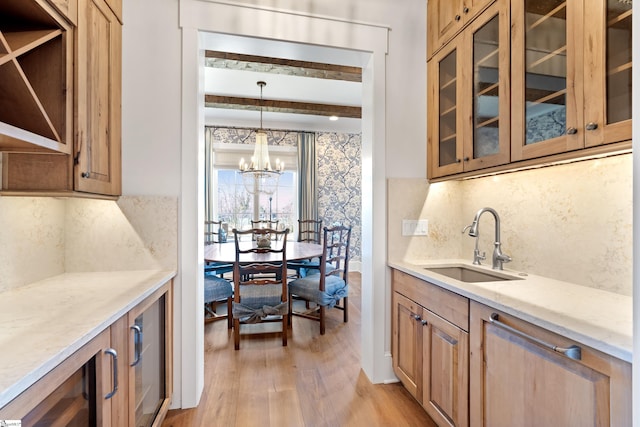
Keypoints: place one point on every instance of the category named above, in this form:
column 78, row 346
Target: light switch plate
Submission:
column 412, row 227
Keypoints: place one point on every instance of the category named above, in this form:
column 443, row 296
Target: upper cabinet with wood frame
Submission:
column 568, row 92
column 86, row 103
column 99, row 88
column 468, row 97
column 447, row 17
column 571, row 75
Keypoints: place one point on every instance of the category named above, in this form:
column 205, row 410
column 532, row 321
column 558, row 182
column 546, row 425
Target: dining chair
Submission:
column 217, row 290
column 327, row 287
column 260, row 282
column 214, row 233
column 309, row 231
column 265, row 223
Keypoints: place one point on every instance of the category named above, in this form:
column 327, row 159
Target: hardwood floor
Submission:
column 314, row 381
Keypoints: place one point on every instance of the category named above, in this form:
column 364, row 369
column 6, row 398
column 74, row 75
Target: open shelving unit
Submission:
column 37, row 101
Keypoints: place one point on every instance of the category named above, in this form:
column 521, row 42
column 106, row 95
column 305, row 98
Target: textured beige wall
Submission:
column 569, row 222
column 42, row 237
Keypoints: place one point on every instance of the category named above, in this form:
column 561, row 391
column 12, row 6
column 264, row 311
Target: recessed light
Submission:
column 333, row 118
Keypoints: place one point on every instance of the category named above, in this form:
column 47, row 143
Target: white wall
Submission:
column 153, row 107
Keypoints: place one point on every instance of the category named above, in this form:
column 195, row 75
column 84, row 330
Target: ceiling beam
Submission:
column 236, row 61
column 253, row 104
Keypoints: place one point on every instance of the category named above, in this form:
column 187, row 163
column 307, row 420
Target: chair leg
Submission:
column 236, row 334
column 322, row 312
column 345, row 301
column 229, row 313
column 285, row 329
column 290, row 313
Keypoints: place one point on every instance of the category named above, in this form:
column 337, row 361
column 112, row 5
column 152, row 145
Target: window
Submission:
column 237, row 207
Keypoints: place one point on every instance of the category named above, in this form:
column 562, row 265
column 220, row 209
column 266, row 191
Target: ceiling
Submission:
column 300, row 94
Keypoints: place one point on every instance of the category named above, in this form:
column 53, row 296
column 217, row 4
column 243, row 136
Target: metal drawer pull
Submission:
column 573, row 352
column 111, row 352
column 137, row 339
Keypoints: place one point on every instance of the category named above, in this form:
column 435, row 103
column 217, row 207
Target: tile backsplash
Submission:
column 44, row 236
column 569, row 222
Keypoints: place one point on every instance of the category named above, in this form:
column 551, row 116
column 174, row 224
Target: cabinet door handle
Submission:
column 572, row 131
column 573, row 352
column 591, row 126
column 416, row 317
column 465, row 10
column 424, row 322
column 457, row 18
column 137, row 339
column 111, row 352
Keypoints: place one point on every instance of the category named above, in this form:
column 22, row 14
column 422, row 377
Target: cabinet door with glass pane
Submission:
column 546, row 80
column 150, row 359
column 486, row 142
column 607, row 68
column 445, row 103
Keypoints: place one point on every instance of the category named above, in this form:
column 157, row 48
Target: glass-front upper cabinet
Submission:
column 607, row 68
column 489, row 142
column 444, row 126
column 546, row 94
column 571, row 75
column 469, row 88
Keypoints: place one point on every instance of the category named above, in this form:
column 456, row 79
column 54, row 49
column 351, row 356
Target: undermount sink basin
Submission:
column 465, row 274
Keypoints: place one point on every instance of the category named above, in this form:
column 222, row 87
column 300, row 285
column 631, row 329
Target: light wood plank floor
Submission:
column 314, row 381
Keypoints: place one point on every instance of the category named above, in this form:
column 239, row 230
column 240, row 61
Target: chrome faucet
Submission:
column 498, row 257
column 477, row 256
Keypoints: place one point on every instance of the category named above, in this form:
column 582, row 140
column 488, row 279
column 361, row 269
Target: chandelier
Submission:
column 258, row 176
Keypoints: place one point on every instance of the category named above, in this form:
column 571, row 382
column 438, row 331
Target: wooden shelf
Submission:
column 561, row 51
column 549, row 97
column 488, row 56
column 619, row 69
column 36, row 103
column 547, row 16
column 486, row 123
column 488, row 89
column 449, row 138
column 448, row 111
column 449, row 83
column 624, row 16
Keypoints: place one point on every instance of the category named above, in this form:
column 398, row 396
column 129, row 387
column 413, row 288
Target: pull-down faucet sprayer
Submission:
column 498, row 257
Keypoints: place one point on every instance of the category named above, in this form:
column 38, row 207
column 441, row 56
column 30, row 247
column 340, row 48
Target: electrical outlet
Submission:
column 412, row 227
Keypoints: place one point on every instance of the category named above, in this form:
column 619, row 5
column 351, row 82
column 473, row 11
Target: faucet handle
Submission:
column 477, row 257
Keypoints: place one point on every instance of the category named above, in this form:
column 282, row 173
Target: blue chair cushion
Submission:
column 218, row 267
column 309, row 288
column 216, row 288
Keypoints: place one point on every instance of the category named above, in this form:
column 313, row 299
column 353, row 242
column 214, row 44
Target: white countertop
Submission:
column 43, row 323
column 596, row 318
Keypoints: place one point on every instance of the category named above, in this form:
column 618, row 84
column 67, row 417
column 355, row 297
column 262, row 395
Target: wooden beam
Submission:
column 253, row 104
column 236, row 61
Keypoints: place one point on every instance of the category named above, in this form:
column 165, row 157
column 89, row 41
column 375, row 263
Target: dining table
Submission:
column 226, row 252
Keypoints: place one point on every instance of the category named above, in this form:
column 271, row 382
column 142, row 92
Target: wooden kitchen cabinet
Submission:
column 571, row 75
column 36, row 78
column 90, row 161
column 468, row 97
column 565, row 90
column 447, row 18
column 122, row 377
column 514, row 378
column 430, row 347
column 76, row 392
column 99, row 88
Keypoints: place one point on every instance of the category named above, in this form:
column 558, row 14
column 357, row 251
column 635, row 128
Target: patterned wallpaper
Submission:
column 339, row 173
column 339, row 183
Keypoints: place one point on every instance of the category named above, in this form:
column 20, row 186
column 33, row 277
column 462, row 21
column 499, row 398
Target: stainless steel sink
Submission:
column 465, row 274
